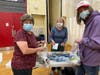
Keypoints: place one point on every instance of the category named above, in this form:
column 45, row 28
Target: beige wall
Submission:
column 54, row 11
column 37, row 7
column 40, row 25
column 96, row 4
column 74, row 30
column 38, row 10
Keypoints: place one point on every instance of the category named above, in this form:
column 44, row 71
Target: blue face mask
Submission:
column 84, row 14
column 27, row 27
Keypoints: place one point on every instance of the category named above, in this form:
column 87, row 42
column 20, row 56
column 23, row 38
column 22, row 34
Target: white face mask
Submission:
column 59, row 24
column 84, row 14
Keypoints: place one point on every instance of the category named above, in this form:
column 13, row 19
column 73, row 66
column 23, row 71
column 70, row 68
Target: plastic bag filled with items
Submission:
column 42, row 60
column 75, row 54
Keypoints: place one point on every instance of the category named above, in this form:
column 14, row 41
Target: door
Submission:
column 54, row 10
column 9, row 24
column 6, row 23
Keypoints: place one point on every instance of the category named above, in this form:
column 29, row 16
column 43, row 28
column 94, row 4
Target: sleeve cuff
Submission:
column 85, row 40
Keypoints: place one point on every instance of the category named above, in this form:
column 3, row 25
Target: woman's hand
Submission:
column 41, row 48
column 63, row 44
column 78, row 41
column 53, row 43
column 41, row 43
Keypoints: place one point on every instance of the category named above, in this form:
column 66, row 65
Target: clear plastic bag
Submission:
column 75, row 54
column 75, row 49
column 42, row 59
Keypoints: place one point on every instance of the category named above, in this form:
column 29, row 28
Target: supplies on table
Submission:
column 58, row 59
column 42, row 60
column 58, row 56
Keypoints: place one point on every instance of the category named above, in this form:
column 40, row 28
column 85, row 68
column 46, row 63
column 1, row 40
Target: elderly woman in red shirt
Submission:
column 25, row 48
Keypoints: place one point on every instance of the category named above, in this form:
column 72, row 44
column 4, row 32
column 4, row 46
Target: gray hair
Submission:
column 27, row 17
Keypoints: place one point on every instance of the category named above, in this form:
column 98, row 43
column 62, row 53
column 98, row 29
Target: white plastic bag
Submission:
column 75, row 54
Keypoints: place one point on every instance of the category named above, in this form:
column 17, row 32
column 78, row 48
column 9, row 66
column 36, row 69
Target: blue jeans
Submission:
column 88, row 70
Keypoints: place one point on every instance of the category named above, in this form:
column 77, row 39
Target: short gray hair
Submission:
column 27, row 17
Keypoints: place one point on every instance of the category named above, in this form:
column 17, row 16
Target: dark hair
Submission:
column 78, row 17
column 27, row 17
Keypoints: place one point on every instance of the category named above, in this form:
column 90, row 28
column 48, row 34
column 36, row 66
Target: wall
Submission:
column 10, row 13
column 96, row 4
column 9, row 24
column 37, row 7
column 38, row 10
column 13, row 6
column 39, row 26
column 54, row 11
column 68, row 9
